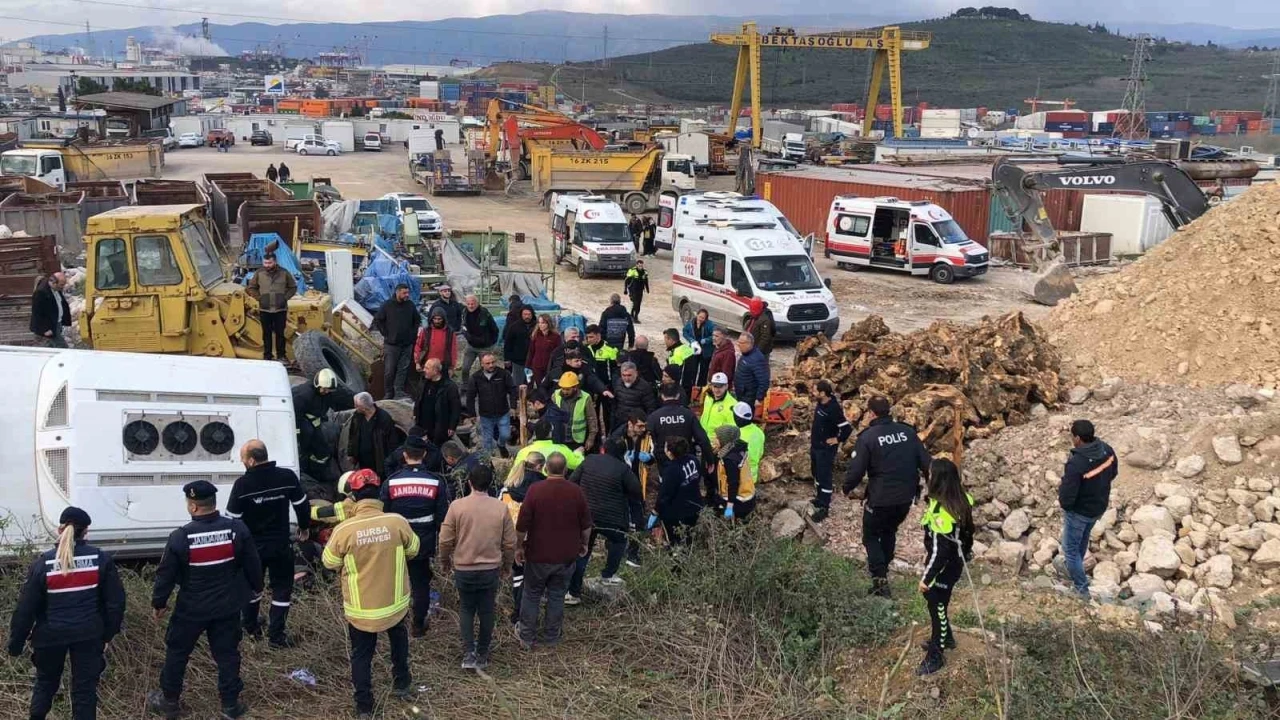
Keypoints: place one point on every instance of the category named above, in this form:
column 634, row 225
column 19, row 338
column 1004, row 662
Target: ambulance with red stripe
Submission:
column 590, row 232
column 723, row 264
column 118, row 435
column 909, row 236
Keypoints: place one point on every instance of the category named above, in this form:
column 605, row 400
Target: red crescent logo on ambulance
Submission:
column 590, row 214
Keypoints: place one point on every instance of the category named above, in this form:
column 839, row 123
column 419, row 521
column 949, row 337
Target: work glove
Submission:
column 652, row 523
column 629, row 457
column 728, row 511
column 646, row 457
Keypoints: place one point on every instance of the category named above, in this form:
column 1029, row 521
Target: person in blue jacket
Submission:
column 72, row 603
column 698, row 330
column 751, row 378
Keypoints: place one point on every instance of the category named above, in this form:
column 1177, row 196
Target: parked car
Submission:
column 261, row 137
column 372, row 141
column 164, row 135
column 190, row 140
column 219, row 134
column 319, row 147
column 292, row 143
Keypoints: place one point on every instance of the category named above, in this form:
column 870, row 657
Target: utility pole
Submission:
column 1270, row 109
column 604, row 62
column 1132, row 124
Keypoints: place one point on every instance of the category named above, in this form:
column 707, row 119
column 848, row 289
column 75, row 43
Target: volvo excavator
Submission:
column 1172, row 183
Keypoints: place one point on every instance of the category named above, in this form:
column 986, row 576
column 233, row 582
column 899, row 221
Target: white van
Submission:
column 721, row 265
column 909, row 236
column 119, row 434
column 372, row 141
column 591, row 233
column 675, row 211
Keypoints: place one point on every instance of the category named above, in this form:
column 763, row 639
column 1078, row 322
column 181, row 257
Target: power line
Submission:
column 1132, row 122
column 1269, row 108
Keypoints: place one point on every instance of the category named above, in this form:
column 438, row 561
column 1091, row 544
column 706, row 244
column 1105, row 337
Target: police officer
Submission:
column 891, row 455
column 674, row 419
column 311, row 405
column 72, row 603
column 214, row 560
column 421, row 497
column 830, row 429
column 261, row 499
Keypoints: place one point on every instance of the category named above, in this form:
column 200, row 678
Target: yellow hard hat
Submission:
column 569, row 380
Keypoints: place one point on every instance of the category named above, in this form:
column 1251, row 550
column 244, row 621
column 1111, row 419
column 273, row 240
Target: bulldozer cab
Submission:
column 146, row 265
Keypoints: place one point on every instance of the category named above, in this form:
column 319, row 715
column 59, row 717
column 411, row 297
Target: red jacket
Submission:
column 723, row 360
column 540, row 349
column 441, row 345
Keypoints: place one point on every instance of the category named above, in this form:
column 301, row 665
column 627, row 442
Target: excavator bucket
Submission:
column 1051, row 285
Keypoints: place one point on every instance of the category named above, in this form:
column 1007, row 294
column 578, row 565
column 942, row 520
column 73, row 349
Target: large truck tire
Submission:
column 636, row 203
column 315, row 351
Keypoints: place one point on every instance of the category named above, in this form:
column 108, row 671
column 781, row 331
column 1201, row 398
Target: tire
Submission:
column 314, row 351
column 331, row 153
column 302, row 151
column 636, row 203
column 942, row 273
column 582, row 269
column 687, row 312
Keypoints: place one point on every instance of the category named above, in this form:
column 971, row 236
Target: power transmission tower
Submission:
column 204, row 29
column 1270, row 109
column 1132, row 123
column 604, row 61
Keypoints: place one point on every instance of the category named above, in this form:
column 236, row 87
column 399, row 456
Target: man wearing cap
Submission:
column 717, row 405
column 419, row 496
column 635, row 285
column 372, row 550
column 272, row 286
column 751, row 434
column 736, row 483
column 830, row 429
column 214, row 561
column 312, row 403
column 448, row 303
column 398, row 320
column 262, row 498
column 584, row 427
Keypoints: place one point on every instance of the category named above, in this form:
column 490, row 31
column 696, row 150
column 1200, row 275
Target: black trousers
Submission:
column 420, row 582
column 87, row 664
column 615, row 545
column 224, row 645
column 273, row 333
column 938, row 599
column 477, row 598
column 679, row 532
column 363, row 646
column 277, row 566
column 396, row 360
column 704, row 369
column 880, row 535
column 823, row 461
column 636, row 300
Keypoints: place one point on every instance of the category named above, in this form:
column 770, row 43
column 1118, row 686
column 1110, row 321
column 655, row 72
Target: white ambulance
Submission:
column 675, row 210
column 590, row 232
column 119, row 434
column 723, row 265
column 909, row 236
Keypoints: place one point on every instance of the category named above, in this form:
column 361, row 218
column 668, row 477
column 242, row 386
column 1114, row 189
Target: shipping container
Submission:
column 56, row 214
column 99, row 196
column 1136, row 223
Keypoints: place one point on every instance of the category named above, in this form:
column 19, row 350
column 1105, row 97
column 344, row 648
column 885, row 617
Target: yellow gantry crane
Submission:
column 887, row 43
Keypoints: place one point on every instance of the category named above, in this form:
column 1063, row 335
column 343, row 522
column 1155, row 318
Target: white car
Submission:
column 319, row 147
column 430, row 224
column 372, row 141
column 190, row 140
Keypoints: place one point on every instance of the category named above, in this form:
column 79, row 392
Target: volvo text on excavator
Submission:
column 1172, row 183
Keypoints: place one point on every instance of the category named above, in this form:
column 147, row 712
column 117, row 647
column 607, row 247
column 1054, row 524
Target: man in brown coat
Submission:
column 272, row 286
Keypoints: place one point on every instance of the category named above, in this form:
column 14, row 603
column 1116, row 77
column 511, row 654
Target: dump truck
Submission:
column 155, row 284
column 56, row 214
column 633, row 179
column 58, row 162
column 296, row 221
column 10, row 184
column 227, row 193
column 168, row 192
column 99, row 196
column 436, row 172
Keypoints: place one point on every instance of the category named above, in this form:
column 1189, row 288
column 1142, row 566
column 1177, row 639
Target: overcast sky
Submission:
column 18, row 18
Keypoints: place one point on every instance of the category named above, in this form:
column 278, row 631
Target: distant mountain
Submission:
column 1200, row 33
column 546, row 36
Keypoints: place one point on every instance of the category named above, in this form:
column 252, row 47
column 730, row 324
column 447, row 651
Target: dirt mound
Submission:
column 1203, row 308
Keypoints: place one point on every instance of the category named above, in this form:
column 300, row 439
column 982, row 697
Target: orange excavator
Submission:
column 511, row 134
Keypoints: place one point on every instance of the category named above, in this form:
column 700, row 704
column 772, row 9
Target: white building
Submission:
column 48, row 77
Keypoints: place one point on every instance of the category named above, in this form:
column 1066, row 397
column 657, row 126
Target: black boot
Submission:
column 160, row 705
column 932, row 662
column 235, row 711
column 880, row 587
column 818, row 514
column 948, row 644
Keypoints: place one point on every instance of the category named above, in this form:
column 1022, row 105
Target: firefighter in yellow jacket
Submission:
column 371, row 549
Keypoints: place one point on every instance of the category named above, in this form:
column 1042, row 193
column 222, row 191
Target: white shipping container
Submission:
column 429, row 89
column 1136, row 223
column 940, row 114
column 343, row 131
column 1034, row 121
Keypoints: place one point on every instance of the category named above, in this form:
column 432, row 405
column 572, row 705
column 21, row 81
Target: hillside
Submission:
column 971, row 62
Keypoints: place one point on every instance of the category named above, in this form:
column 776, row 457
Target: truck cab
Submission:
column 723, row 264
column 678, row 172
column 917, row 237
column 430, row 223
column 591, row 233
column 119, row 434
column 43, row 165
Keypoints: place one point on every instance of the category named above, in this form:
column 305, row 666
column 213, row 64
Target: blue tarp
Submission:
column 539, row 303
column 381, row 276
column 284, row 257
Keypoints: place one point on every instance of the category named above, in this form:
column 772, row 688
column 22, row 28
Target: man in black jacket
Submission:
column 398, row 321
column 1083, row 496
column 439, row 407
column 631, row 394
column 645, row 361
column 480, row 331
column 50, row 312
column 635, row 285
column 572, row 342
column 419, row 496
column 830, row 429
column 431, row 459
column 613, row 495
column 491, row 394
column 261, row 499
column 450, row 306
column 312, row 403
column 214, row 561
column 675, row 419
column 891, row 455
column 370, row 436
column 616, row 324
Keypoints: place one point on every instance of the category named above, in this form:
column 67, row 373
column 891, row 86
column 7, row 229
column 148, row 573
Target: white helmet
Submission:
column 326, row 379
column 719, row 379
column 744, row 411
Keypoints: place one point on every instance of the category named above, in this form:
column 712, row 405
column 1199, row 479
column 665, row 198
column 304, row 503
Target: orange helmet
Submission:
column 361, row 478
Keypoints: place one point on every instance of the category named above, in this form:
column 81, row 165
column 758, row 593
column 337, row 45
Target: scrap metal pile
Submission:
column 953, row 382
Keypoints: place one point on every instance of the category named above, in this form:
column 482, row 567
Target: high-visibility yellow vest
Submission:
column 332, row 513
column 716, row 412
column 753, row 436
column 543, row 448
column 371, row 550
column 605, row 353
column 578, row 429
column 679, row 355
column 746, row 482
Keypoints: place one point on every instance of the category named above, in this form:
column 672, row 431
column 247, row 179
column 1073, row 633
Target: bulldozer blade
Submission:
column 1051, row 285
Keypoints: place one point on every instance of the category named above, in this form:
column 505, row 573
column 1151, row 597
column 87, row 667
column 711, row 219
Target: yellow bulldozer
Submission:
column 156, row 284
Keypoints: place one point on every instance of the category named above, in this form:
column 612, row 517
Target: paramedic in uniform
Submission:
column 891, row 455
column 214, row 562
column 72, row 603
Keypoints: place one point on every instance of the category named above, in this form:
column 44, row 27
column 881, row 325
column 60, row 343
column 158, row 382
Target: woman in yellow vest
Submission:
column 948, row 544
column 737, row 481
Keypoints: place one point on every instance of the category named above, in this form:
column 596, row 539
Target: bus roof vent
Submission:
column 56, row 415
column 57, row 465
